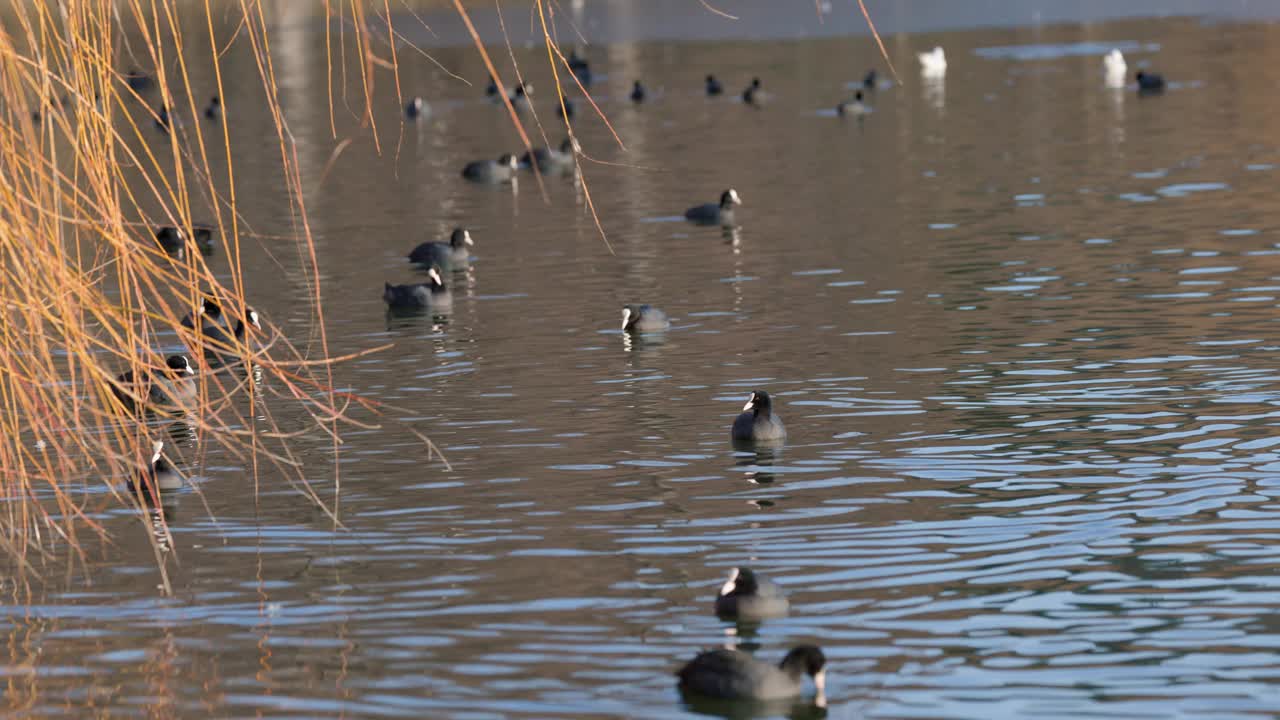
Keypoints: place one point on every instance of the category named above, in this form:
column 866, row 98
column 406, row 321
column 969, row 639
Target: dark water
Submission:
column 1021, row 329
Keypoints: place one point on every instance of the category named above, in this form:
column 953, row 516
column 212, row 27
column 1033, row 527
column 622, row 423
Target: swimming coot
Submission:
column 735, row 675
column 455, row 253
column 1149, row 83
column 138, row 81
column 713, row 86
column 170, row 389
column 550, row 160
column 758, row 423
column 520, row 96
column 220, row 341
column 157, row 478
column 855, row 107
column 644, row 319
column 501, row 170
column 208, row 312
column 715, row 214
column 432, row 294
column 752, row 95
column 637, row 93
column 566, row 110
column 746, row 597
column 416, row 108
column 173, row 241
column 579, row 66
column 869, row 80
column 213, row 110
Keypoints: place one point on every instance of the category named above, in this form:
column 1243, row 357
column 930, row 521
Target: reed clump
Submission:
column 92, row 163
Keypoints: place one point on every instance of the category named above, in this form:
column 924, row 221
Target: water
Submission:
column 1021, row 329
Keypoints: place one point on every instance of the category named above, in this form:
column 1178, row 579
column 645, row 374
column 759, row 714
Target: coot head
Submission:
column 809, row 660
column 729, row 198
column 460, row 238
column 179, row 365
column 759, row 403
column 742, row 581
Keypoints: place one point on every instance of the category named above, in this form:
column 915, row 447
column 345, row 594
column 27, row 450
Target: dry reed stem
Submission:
column 86, row 293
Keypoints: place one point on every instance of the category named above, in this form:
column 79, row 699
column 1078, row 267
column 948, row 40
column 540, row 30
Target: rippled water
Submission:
column 1021, row 329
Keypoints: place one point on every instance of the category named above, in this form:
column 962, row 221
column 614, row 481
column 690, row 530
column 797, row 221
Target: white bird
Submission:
column 1114, row 69
column 933, row 63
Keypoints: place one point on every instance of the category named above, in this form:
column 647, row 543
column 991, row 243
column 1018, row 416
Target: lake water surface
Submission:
column 1021, row 328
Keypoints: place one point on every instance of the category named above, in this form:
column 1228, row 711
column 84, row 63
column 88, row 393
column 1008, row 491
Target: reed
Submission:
column 86, row 292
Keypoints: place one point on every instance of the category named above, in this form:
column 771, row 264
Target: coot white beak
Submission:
column 820, row 681
column 435, row 276
column 626, row 317
column 466, row 237
column 253, row 319
column 733, row 195
column 156, row 448
column 731, row 583
column 751, row 402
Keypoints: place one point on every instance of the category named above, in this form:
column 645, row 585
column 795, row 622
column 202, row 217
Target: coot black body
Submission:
column 721, row 213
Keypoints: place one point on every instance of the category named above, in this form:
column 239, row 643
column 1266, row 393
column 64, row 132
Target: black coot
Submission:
column 721, row 213
column 735, row 675
column 501, row 170
column 758, row 423
column 747, row 597
column 453, row 254
column 644, row 319
column 433, row 294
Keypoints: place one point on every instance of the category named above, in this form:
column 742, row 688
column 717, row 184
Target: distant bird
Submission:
column 220, row 341
column 202, row 235
column 453, row 254
column 138, row 81
column 1114, row 69
column 550, row 160
column 637, row 93
column 416, row 108
column 758, row 423
column 869, row 80
column 933, row 63
column 153, row 481
column 854, row 107
column 579, row 66
column 520, row 96
column 721, row 213
column 170, row 389
column 1149, row 83
column 736, row 675
column 418, row 296
column 174, row 241
column 752, row 94
column 501, row 170
column 213, row 110
column 565, row 110
column 713, row 86
column 208, row 312
column 747, row 597
column 491, row 90
column 164, row 122
column 644, row 319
